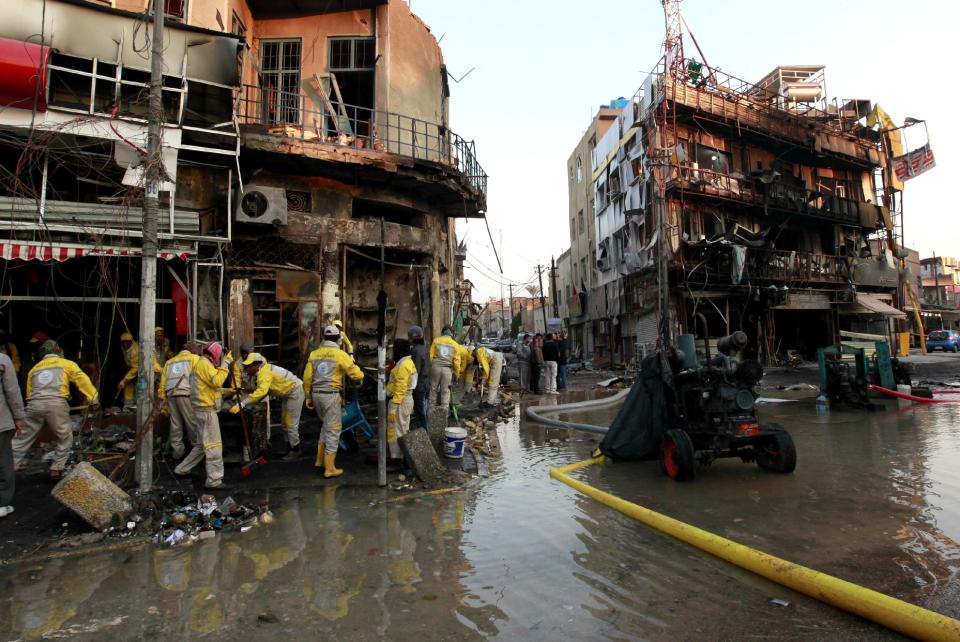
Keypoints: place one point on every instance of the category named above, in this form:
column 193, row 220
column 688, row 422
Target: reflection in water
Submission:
column 874, row 500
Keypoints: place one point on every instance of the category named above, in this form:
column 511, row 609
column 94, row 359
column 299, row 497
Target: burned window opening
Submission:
column 390, row 212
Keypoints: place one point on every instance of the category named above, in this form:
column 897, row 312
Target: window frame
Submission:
column 291, row 103
column 353, row 40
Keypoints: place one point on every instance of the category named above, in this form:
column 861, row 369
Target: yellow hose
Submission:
column 896, row 614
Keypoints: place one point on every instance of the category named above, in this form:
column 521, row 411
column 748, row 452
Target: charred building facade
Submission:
column 722, row 205
column 303, row 143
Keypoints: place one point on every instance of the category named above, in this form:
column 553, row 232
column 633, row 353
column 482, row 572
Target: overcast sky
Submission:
column 541, row 69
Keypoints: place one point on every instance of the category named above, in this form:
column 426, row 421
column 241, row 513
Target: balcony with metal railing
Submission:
column 774, row 196
column 718, row 264
column 295, row 115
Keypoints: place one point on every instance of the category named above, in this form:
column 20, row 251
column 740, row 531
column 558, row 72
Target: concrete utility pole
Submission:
column 510, row 308
column 382, row 369
column 148, row 263
column 543, row 303
column 554, row 293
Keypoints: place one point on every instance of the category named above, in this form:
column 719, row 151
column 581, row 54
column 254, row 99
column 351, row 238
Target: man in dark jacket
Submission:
column 551, row 355
column 536, row 364
column 12, row 416
column 562, row 362
column 421, row 361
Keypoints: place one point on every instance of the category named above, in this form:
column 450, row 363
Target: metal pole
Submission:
column 148, row 264
column 554, row 293
column 936, row 277
column 543, row 303
column 381, row 371
column 510, row 308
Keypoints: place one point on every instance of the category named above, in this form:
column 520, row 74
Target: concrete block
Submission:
column 422, row 456
column 437, row 422
column 89, row 494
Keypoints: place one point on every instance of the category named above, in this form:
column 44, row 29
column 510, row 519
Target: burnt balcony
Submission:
column 774, row 197
column 729, row 264
column 362, row 135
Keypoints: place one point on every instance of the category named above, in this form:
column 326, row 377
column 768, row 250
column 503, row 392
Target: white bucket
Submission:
column 453, row 438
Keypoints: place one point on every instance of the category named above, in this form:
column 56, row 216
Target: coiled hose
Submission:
column 536, row 413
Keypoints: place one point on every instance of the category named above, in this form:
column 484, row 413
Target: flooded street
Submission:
column 874, row 500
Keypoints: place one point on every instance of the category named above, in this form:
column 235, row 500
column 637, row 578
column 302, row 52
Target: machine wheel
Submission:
column 955, row 348
column 677, row 455
column 777, row 455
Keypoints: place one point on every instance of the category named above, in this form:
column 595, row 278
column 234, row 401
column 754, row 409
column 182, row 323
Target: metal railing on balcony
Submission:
column 295, row 115
column 777, row 195
column 716, row 264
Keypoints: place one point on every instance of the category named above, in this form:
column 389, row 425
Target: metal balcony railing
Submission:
column 295, row 115
column 714, row 263
column 778, row 195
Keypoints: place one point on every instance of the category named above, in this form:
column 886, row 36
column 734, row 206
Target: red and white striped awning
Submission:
column 38, row 251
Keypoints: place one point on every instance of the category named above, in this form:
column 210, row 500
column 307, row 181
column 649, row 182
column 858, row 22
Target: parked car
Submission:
column 945, row 339
column 504, row 345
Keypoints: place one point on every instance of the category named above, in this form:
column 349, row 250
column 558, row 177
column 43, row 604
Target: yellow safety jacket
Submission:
column 347, row 343
column 446, row 352
column 51, row 379
column 208, row 381
column 11, row 351
column 466, row 360
column 177, row 379
column 274, row 381
column 132, row 359
column 403, row 379
column 486, row 358
column 163, row 352
column 241, row 380
column 325, row 369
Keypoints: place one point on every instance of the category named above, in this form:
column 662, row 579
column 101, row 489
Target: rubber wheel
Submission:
column 777, row 455
column 677, row 455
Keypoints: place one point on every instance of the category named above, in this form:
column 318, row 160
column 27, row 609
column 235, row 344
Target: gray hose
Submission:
column 535, row 413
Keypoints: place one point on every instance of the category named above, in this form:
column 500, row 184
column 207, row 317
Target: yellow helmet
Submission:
column 338, row 323
column 126, row 336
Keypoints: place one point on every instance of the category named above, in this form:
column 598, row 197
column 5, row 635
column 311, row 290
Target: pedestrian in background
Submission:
column 523, row 361
column 12, row 417
column 421, row 361
column 562, row 362
column 536, row 364
column 551, row 355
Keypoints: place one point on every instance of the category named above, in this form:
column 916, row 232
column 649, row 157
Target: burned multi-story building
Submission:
column 751, row 205
column 305, row 145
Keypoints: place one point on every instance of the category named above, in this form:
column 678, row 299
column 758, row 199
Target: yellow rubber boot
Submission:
column 321, row 447
column 330, row 469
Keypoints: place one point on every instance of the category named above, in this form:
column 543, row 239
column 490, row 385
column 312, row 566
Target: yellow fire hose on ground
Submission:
column 896, row 614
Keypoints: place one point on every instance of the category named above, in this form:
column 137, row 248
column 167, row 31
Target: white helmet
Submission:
column 331, row 332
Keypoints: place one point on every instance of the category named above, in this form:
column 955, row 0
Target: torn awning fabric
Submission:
column 646, row 414
column 34, row 251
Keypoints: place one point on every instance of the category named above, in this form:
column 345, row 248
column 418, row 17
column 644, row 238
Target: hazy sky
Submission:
column 543, row 68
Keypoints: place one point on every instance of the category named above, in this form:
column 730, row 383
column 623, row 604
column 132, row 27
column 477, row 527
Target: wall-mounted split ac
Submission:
column 262, row 205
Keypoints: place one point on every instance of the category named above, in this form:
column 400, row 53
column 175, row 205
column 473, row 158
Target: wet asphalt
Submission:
column 874, row 500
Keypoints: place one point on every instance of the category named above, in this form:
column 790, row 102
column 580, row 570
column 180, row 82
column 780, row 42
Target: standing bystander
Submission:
column 12, row 417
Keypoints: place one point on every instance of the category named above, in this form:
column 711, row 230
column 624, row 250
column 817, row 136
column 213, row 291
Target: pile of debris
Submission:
column 168, row 517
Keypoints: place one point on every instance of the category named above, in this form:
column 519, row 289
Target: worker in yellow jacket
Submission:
column 491, row 364
column 177, row 388
column 403, row 380
column 345, row 343
column 131, row 357
column 48, row 394
column 323, row 382
column 162, row 350
column 209, row 374
column 280, row 383
column 445, row 364
column 466, row 362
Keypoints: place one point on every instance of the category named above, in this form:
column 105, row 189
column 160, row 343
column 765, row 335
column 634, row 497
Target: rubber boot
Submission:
column 321, row 447
column 330, row 469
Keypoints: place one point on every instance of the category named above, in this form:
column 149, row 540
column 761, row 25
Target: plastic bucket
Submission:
column 453, row 439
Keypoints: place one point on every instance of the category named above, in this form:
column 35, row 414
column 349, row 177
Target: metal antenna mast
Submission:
column 673, row 40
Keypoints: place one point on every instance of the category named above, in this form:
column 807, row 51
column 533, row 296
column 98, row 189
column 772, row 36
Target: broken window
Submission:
column 353, row 61
column 280, row 80
column 389, row 212
column 713, row 159
column 580, row 221
column 175, row 10
column 579, row 169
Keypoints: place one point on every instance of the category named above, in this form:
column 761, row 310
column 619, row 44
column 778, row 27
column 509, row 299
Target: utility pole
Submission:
column 543, row 303
column 554, row 293
column 382, row 369
column 936, row 276
column 510, row 308
column 501, row 284
column 148, row 253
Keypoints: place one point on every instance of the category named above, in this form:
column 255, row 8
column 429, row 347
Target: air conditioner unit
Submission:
column 262, row 205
